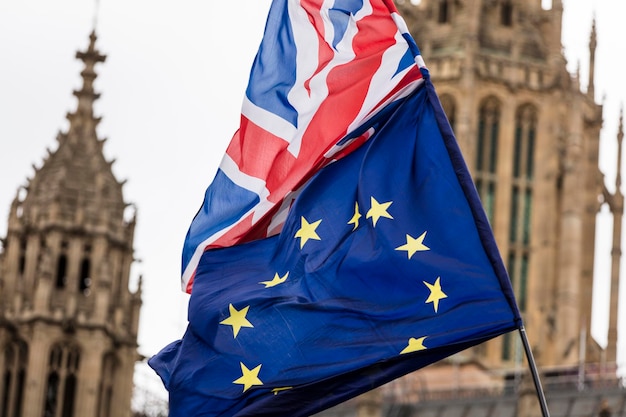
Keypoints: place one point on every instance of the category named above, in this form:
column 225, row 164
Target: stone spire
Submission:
column 87, row 95
column 75, row 185
column 616, row 204
column 557, row 26
column 592, row 60
column 620, row 139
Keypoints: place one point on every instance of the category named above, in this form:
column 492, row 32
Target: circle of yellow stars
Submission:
column 307, row 232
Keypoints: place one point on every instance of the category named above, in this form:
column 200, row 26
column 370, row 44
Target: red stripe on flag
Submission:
column 375, row 35
column 260, row 154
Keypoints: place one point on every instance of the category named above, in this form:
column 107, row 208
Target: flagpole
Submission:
column 535, row 374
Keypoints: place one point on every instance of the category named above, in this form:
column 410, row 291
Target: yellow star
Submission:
column 414, row 345
column 307, row 231
column 435, row 293
column 414, row 245
column 237, row 319
column 357, row 215
column 249, row 378
column 277, row 390
column 276, row 280
column 378, row 210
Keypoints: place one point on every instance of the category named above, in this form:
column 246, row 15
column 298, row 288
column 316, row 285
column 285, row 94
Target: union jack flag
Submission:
column 325, row 71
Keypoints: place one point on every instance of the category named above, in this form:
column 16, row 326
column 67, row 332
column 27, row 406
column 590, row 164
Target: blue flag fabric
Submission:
column 386, row 264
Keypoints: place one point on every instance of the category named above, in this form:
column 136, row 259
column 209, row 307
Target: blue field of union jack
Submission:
column 324, row 72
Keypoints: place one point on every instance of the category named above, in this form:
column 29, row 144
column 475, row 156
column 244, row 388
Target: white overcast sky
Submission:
column 172, row 88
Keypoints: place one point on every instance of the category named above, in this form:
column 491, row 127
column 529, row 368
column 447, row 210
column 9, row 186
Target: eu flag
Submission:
column 385, row 264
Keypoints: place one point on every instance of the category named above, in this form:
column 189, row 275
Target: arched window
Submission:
column 525, row 131
column 518, row 260
column 449, row 107
column 506, row 13
column 486, row 153
column 61, row 278
column 62, row 381
column 443, row 12
column 109, row 368
column 84, row 280
column 22, row 262
column 84, row 283
column 521, row 199
column 15, row 356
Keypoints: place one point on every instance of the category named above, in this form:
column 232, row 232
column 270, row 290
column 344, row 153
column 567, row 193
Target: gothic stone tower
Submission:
column 68, row 322
column 530, row 136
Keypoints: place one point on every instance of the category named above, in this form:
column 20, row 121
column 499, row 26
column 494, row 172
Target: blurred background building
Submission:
column 68, row 321
column 530, row 136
